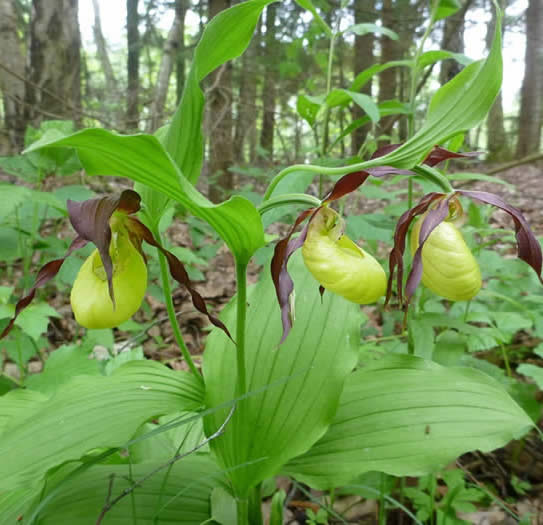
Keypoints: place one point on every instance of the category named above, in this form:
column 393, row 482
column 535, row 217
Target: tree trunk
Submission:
column 163, row 81
column 452, row 40
column 390, row 50
column 246, row 101
column 180, row 12
column 497, row 146
column 268, row 87
column 531, row 102
column 54, row 90
column 362, row 59
column 11, row 77
column 133, row 64
column 220, row 121
column 101, row 47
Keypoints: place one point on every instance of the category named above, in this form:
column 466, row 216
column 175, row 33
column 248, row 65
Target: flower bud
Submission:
column 338, row 263
column 90, row 299
column 448, row 266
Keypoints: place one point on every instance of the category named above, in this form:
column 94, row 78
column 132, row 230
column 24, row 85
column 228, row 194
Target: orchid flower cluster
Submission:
column 111, row 283
column 441, row 257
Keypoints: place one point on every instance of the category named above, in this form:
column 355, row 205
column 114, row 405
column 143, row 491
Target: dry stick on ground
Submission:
column 109, row 504
column 513, row 164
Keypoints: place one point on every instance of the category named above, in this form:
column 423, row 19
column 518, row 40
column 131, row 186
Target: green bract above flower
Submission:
column 338, row 263
column 449, row 268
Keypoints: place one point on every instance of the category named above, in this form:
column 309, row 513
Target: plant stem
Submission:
column 241, row 317
column 506, row 360
column 242, row 507
column 287, row 199
column 166, row 288
column 242, row 503
column 382, row 510
column 413, row 91
column 255, row 507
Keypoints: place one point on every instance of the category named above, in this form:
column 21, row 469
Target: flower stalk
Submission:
column 170, row 308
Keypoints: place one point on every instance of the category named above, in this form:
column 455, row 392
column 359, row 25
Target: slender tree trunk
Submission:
column 133, row 64
column 362, row 59
column 269, row 85
column 531, row 104
column 54, row 90
column 166, row 66
column 452, row 40
column 390, row 50
column 101, row 47
column 497, row 146
column 180, row 12
column 246, row 101
column 220, row 121
column 11, row 76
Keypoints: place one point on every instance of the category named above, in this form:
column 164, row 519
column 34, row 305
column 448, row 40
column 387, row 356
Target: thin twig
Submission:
column 109, row 504
column 513, row 164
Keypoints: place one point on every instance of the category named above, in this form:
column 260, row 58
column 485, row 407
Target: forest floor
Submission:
column 498, row 468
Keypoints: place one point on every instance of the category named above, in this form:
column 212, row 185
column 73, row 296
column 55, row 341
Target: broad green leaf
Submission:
column 338, row 97
column 15, row 503
column 33, row 320
column 225, row 37
column 186, row 432
column 61, row 365
column 17, row 401
column 407, row 417
column 447, row 8
column 177, row 496
column 386, row 108
column 223, row 507
column 430, row 57
column 456, row 107
column 90, row 412
column 533, row 371
column 308, row 107
column 364, row 76
column 143, row 159
column 421, row 334
column 12, row 197
column 295, row 387
column 364, row 29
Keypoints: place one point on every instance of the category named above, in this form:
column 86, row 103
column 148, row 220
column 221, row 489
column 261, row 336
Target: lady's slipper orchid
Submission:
column 90, row 299
column 111, row 284
column 448, row 267
column 338, row 263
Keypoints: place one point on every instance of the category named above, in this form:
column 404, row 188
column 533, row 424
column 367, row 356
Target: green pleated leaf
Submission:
column 143, row 159
column 87, row 413
column 295, row 386
column 339, row 97
column 456, row 107
column 17, row 401
column 15, row 503
column 431, row 57
column 180, row 496
column 407, row 417
column 225, row 37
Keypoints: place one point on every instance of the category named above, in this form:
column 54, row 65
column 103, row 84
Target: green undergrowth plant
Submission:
column 284, row 389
